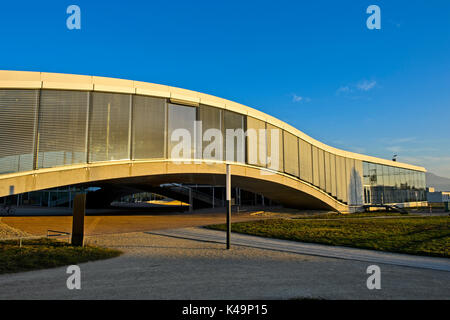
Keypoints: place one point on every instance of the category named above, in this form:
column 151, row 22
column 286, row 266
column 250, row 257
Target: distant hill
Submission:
column 439, row 183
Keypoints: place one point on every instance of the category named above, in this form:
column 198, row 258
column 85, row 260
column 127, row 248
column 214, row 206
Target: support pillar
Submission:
column 228, row 201
column 190, row 200
column 79, row 210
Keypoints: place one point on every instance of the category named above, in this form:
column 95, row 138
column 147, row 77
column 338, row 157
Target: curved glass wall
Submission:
column 50, row 128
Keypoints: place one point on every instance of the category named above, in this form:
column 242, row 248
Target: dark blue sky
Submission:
column 313, row 64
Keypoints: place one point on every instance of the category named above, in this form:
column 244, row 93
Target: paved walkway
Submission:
column 373, row 256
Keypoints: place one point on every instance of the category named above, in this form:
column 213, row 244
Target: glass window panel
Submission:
column 417, row 180
column 17, row 134
column 256, row 142
column 62, row 128
column 149, row 127
column 234, row 136
column 275, row 148
column 357, row 182
column 391, row 176
column 181, row 123
column 321, row 169
column 403, row 178
column 423, row 180
column 327, row 172
column 333, row 174
column 109, row 126
column 366, row 174
column 341, row 178
column 212, row 131
column 349, row 168
column 411, row 178
column 380, row 177
column 316, row 166
column 397, row 177
column 290, row 154
column 305, row 161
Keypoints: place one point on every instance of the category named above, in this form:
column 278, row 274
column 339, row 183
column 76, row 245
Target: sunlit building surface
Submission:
column 54, row 126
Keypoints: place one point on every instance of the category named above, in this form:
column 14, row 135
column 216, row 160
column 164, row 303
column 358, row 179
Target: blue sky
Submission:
column 313, row 64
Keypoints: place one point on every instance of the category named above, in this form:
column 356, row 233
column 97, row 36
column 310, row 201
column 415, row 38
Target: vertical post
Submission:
column 228, row 201
column 190, row 200
column 79, row 209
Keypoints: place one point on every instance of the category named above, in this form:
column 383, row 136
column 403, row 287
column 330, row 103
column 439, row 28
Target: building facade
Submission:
column 56, row 121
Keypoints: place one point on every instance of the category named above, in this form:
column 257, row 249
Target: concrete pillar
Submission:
column 79, row 210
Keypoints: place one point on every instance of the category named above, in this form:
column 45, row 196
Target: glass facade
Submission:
column 386, row 184
column 50, row 128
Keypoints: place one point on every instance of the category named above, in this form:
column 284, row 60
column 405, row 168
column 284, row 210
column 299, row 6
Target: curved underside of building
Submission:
column 59, row 130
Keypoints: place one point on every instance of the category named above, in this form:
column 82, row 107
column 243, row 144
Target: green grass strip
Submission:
column 429, row 236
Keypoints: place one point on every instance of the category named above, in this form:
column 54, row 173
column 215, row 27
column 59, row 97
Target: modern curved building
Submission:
column 60, row 130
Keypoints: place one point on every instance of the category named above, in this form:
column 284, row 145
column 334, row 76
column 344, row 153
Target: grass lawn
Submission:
column 429, row 236
column 335, row 215
column 45, row 253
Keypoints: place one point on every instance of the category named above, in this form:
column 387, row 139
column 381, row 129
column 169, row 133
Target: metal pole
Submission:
column 228, row 192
